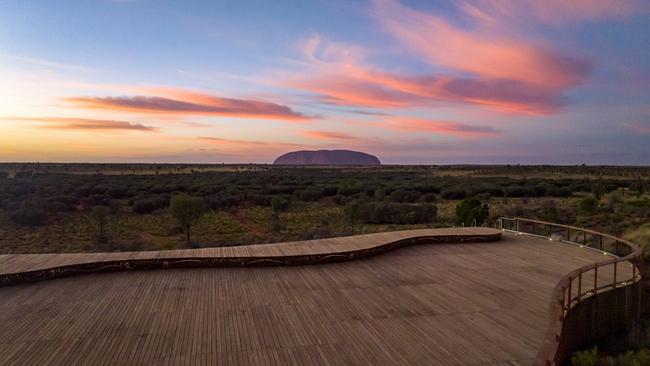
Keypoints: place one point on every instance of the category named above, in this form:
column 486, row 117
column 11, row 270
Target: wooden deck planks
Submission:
column 440, row 304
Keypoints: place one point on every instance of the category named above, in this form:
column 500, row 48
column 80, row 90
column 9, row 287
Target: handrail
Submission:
column 563, row 301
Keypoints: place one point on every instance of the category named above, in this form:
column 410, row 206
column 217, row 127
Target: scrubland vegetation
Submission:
column 76, row 207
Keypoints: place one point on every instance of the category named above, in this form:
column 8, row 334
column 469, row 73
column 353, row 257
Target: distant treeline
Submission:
column 32, row 197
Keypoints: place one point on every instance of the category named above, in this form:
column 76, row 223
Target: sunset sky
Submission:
column 413, row 82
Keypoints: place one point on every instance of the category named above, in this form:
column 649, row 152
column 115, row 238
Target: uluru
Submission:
column 326, row 157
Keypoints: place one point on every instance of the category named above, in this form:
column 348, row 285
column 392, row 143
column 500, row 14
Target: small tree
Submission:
column 588, row 205
column 352, row 212
column 638, row 187
column 471, row 209
column 598, row 190
column 279, row 203
column 187, row 210
column 614, row 200
column 99, row 214
column 30, row 213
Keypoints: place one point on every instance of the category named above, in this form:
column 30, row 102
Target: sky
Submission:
column 412, row 82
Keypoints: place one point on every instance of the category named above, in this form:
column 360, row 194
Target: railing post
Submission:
column 517, row 224
column 580, row 286
column 614, row 280
column 550, row 231
column 570, row 286
column 584, row 238
column 601, row 242
column 595, row 278
column 568, row 234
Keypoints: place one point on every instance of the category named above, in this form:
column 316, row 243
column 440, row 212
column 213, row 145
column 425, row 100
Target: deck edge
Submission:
column 24, row 277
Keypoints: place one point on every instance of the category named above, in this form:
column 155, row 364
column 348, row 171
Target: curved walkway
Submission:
column 480, row 303
column 23, row 268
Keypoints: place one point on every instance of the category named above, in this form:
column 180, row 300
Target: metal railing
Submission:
column 586, row 281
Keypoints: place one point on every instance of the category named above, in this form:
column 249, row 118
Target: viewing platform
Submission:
column 457, row 296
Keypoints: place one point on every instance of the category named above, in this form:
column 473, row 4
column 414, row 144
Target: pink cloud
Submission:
column 183, row 102
column 555, row 12
column 235, row 144
column 58, row 123
column 485, row 54
column 437, row 127
column 350, row 81
column 329, row 135
column 639, row 127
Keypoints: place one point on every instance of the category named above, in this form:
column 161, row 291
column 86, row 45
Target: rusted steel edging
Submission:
column 554, row 349
column 248, row 261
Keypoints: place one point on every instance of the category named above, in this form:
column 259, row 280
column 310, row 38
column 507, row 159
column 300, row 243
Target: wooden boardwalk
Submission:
column 439, row 304
column 21, row 268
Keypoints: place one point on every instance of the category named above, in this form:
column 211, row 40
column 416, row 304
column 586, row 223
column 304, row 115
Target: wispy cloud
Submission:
column 642, row 128
column 184, row 102
column 329, row 135
column 48, row 63
column 437, row 127
column 234, row 143
column 351, row 81
column 478, row 51
column 554, row 12
column 57, row 123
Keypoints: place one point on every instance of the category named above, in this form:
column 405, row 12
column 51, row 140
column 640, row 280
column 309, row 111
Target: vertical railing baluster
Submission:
column 517, row 225
column 614, row 280
column 580, row 286
column 570, row 286
column 595, row 278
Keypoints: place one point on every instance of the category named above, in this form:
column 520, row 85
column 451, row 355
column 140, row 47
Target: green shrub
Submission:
column 588, row 205
column 389, row 213
column 280, row 203
column 30, row 214
column 554, row 191
column 585, row 358
column 349, row 187
column 402, row 195
column 429, row 197
column 614, row 200
column 638, row 358
column 453, row 194
column 311, row 194
column 100, row 214
column 639, row 188
column 471, row 209
column 598, row 190
column 144, row 206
